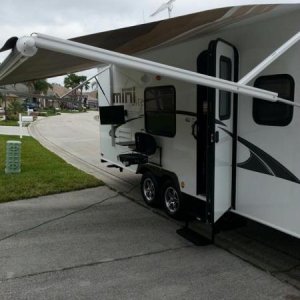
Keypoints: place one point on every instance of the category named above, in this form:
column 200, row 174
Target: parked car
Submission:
column 31, row 105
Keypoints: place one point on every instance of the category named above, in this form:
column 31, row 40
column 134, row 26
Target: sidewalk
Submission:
column 14, row 130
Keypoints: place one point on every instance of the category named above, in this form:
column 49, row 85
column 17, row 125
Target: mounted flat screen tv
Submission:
column 112, row 115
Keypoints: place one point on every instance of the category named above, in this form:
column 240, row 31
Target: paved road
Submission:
column 98, row 244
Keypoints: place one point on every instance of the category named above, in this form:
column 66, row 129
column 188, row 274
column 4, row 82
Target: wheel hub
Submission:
column 149, row 189
column 172, row 199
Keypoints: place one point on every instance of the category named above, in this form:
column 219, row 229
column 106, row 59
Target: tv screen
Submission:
column 111, row 115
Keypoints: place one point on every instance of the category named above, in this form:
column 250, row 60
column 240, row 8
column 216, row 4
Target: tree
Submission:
column 85, row 86
column 72, row 81
column 1, row 99
column 41, row 86
column 95, row 87
column 14, row 108
column 38, row 87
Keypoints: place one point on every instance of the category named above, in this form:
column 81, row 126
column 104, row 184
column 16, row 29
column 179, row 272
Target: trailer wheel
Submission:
column 149, row 188
column 172, row 199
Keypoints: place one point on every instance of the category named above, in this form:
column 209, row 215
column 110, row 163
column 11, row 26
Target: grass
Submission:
column 9, row 123
column 42, row 173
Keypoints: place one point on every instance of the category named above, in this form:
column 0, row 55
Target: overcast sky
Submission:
column 68, row 18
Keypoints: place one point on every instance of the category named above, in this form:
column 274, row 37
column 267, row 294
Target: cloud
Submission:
column 73, row 18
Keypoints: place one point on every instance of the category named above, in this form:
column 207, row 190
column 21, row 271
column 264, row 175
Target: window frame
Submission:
column 256, row 101
column 172, row 133
column 227, row 116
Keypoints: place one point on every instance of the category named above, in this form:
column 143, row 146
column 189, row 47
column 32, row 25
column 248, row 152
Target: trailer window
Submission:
column 225, row 97
column 160, row 110
column 273, row 113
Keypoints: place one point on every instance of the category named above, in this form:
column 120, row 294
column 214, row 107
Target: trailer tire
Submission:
column 172, row 199
column 150, row 189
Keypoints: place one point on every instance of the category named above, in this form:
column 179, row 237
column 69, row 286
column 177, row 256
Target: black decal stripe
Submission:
column 254, row 163
column 277, row 168
column 127, row 121
column 187, row 113
column 115, row 127
column 228, row 132
column 220, row 123
column 260, row 161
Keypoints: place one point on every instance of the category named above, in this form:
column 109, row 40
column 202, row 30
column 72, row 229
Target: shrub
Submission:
column 14, row 108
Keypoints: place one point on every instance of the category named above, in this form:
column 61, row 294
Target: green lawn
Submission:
column 42, row 173
column 9, row 123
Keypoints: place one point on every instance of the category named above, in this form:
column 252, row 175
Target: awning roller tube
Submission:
column 101, row 55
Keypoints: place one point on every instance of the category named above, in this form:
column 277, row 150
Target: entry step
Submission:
column 198, row 233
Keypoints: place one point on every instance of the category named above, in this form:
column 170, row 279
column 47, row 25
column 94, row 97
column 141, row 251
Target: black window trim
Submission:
column 228, row 115
column 280, row 123
column 145, row 114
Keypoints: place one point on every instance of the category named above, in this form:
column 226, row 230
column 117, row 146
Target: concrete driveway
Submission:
column 75, row 137
column 98, row 244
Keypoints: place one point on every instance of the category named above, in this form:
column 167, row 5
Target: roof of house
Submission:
column 57, row 90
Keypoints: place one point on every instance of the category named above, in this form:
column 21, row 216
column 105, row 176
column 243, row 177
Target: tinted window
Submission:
column 225, row 97
column 160, row 110
column 272, row 113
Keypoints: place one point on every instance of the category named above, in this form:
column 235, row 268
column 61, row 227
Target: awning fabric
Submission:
column 130, row 40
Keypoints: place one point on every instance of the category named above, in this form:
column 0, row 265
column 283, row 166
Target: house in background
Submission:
column 52, row 99
column 12, row 92
column 53, row 95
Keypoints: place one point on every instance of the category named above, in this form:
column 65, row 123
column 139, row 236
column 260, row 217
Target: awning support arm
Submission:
column 266, row 62
column 102, row 90
column 84, row 82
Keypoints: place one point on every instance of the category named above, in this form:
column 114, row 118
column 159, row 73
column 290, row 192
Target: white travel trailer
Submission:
column 207, row 109
column 228, row 151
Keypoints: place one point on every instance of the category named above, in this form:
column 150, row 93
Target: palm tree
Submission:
column 42, row 86
column 38, row 87
column 72, row 81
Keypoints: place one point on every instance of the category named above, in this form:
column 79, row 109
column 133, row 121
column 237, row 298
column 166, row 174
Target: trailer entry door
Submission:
column 222, row 63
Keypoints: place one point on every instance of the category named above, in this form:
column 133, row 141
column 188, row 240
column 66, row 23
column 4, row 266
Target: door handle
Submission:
column 214, row 137
column 195, row 130
column 217, row 137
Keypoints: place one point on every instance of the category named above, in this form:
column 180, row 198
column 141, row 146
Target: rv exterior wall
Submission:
column 271, row 199
column 267, row 198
